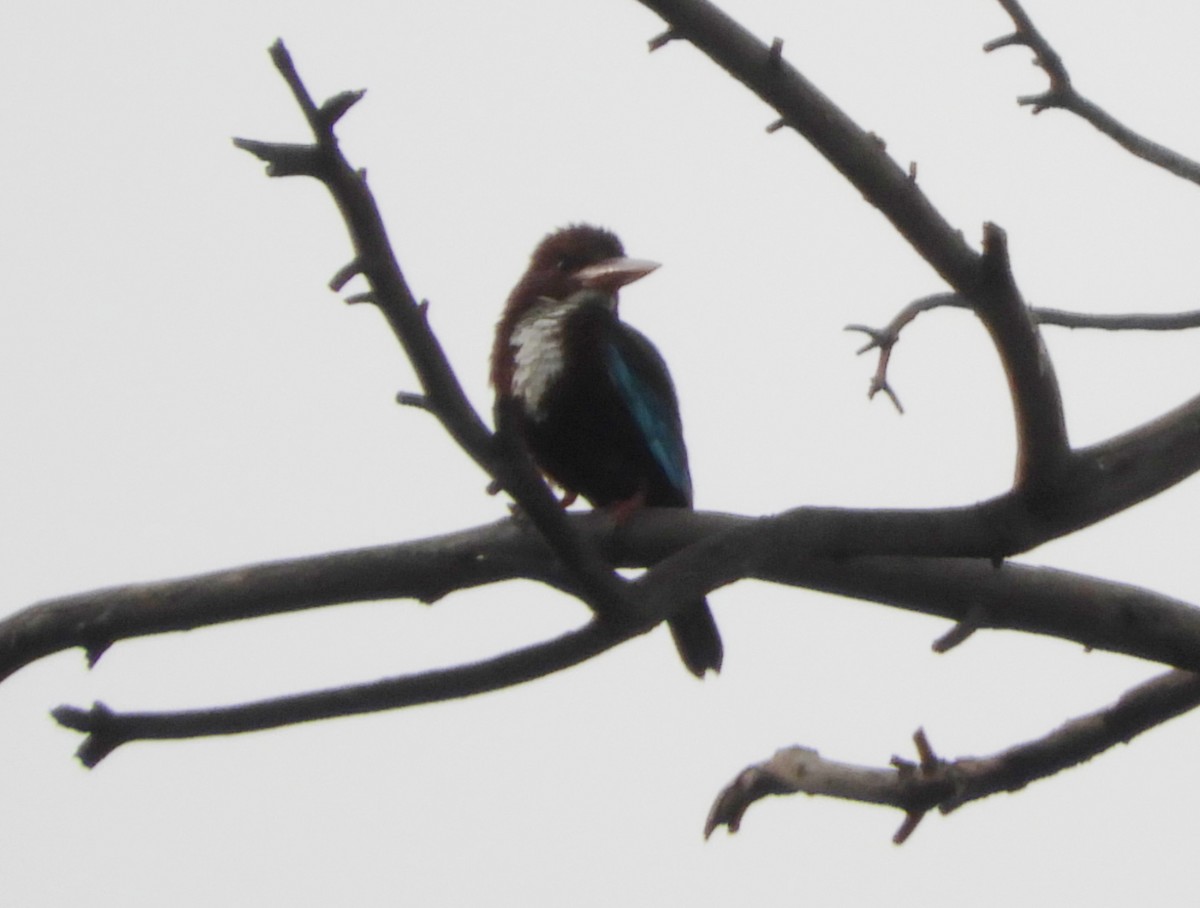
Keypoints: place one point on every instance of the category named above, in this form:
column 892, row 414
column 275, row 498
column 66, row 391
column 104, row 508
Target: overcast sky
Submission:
column 180, row 392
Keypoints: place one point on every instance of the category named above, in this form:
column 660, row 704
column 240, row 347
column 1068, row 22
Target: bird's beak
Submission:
column 613, row 274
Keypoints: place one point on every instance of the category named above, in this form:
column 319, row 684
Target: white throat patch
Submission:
column 538, row 354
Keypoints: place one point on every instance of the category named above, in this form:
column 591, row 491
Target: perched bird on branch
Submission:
column 592, row 398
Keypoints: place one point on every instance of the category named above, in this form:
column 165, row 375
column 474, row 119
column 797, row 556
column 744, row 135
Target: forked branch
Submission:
column 884, row 339
column 1063, row 95
column 932, row 783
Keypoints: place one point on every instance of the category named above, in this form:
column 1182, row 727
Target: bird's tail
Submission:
column 697, row 639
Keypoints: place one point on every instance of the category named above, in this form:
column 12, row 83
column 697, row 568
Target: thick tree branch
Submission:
column 917, row 788
column 425, row 570
column 858, row 155
column 698, row 551
column 808, row 546
column 984, row 280
column 1098, row 482
column 1094, row 613
column 1062, row 94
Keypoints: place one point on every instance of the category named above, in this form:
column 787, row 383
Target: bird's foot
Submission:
column 620, row 511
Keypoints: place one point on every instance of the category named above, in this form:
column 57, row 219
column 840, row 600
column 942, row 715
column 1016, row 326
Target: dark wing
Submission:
column 639, row 374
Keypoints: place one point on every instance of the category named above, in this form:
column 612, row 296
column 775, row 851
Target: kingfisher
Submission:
column 591, row 397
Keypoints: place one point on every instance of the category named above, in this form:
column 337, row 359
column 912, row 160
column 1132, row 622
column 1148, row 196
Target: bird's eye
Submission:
column 564, row 263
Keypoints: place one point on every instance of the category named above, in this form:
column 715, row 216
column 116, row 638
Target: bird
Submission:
column 591, row 397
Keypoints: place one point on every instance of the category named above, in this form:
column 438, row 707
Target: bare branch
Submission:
column 424, row 570
column 505, row 462
column 859, row 155
column 1097, row 614
column 696, row 552
column 336, row 107
column 344, row 275
column 283, row 159
column 934, row 783
column 1046, row 56
column 409, row 399
column 1094, row 613
column 975, row 619
column 984, row 280
column 885, row 339
column 1133, row 321
column 375, row 261
column 1062, row 94
column 775, row 54
column 1042, row 447
column 107, row 730
column 662, row 40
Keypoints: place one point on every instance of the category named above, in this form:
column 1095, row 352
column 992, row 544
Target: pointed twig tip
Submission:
column 661, row 40
column 1008, row 40
column 345, row 274
column 280, row 56
column 412, row 399
column 335, row 108
column 929, row 758
column 775, row 54
column 911, row 820
column 94, row 651
column 962, row 630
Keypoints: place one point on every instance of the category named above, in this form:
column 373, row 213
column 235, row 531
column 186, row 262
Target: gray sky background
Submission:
column 181, row 393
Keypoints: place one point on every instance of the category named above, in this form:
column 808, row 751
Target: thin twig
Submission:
column 106, row 729
column 1063, row 95
column 963, row 630
column 1129, row 321
column 884, row 339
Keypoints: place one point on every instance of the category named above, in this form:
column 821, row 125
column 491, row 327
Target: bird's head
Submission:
column 579, row 257
column 567, row 261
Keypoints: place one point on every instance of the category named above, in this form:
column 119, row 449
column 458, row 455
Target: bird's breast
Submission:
column 538, row 356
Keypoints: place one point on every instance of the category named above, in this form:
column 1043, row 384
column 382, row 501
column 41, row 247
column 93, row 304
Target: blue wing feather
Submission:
column 654, row 410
